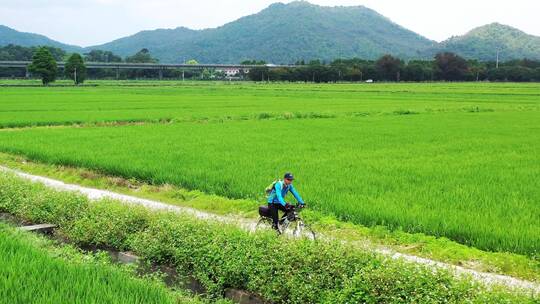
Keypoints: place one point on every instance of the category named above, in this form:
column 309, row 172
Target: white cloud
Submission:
column 97, row 21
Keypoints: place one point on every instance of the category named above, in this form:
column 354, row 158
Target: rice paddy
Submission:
column 31, row 274
column 454, row 160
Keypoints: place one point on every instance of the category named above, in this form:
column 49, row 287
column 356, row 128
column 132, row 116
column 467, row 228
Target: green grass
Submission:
column 467, row 177
column 32, row 271
column 215, row 101
column 222, row 256
column 453, row 160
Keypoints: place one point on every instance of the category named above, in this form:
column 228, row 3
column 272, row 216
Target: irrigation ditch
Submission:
column 169, row 274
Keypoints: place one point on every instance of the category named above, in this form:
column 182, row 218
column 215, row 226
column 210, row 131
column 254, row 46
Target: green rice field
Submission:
column 31, row 274
column 454, row 160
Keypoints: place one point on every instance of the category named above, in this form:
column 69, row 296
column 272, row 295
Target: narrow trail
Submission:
column 96, row 194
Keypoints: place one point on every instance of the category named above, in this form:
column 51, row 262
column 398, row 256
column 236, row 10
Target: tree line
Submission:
column 444, row 67
column 44, row 63
column 48, row 57
column 13, row 52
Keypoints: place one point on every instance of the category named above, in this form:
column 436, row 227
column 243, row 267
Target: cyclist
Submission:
column 276, row 198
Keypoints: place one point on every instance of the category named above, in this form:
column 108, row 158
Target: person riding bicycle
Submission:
column 276, row 198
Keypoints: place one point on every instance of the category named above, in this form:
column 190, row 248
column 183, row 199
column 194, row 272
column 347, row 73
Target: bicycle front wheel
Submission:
column 303, row 230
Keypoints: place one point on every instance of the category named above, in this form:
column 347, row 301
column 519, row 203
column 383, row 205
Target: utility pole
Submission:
column 75, row 75
column 497, row 65
column 183, row 69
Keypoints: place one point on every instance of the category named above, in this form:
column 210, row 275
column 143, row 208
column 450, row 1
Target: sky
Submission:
column 92, row 22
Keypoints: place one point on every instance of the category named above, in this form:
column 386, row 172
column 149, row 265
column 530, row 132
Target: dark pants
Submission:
column 274, row 213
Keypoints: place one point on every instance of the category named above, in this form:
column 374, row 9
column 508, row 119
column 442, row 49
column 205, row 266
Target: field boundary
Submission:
column 96, row 194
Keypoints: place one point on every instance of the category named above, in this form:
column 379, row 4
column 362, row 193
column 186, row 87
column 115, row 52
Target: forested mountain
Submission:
column 482, row 43
column 283, row 33
column 11, row 36
column 286, row 33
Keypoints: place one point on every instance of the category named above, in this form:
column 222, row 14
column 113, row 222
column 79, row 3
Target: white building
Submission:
column 229, row 72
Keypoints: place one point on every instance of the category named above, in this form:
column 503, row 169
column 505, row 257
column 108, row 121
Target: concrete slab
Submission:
column 39, row 228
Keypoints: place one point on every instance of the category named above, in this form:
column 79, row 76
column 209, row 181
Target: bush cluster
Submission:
column 221, row 256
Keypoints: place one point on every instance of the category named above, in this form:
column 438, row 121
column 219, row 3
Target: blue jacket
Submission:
column 277, row 196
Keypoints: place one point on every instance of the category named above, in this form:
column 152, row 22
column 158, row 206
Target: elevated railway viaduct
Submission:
column 147, row 66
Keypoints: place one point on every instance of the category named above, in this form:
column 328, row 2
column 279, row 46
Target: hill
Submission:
column 286, row 33
column 483, row 42
column 11, row 36
column 282, row 33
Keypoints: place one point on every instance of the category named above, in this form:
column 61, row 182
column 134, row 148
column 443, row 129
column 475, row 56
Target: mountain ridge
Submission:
column 483, row 42
column 8, row 35
column 286, row 33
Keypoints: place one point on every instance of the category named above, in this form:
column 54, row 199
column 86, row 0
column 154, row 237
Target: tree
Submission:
column 389, row 67
column 75, row 68
column 258, row 74
column 44, row 65
column 495, row 74
column 519, row 73
column 16, row 53
column 477, row 70
column 57, row 53
column 206, row 74
column 253, row 62
column 418, row 70
column 537, row 74
column 142, row 56
column 450, row 66
column 353, row 74
column 102, row 56
column 192, row 62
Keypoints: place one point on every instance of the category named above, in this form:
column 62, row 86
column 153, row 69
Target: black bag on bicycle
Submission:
column 264, row 211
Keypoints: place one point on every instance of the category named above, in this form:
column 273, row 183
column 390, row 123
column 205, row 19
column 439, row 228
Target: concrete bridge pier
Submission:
column 27, row 73
column 160, row 74
column 117, row 73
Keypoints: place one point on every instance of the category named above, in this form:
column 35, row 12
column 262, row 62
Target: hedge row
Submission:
column 221, row 256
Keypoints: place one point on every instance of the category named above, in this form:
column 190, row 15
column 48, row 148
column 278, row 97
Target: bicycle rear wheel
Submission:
column 263, row 223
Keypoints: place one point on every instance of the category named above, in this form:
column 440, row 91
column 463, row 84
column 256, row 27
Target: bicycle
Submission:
column 290, row 223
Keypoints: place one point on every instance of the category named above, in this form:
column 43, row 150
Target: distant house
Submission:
column 229, row 72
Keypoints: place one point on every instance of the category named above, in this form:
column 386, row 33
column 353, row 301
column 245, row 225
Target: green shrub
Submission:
column 36, row 203
column 108, row 224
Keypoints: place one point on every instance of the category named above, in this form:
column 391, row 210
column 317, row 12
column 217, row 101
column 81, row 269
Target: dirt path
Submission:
column 96, row 194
